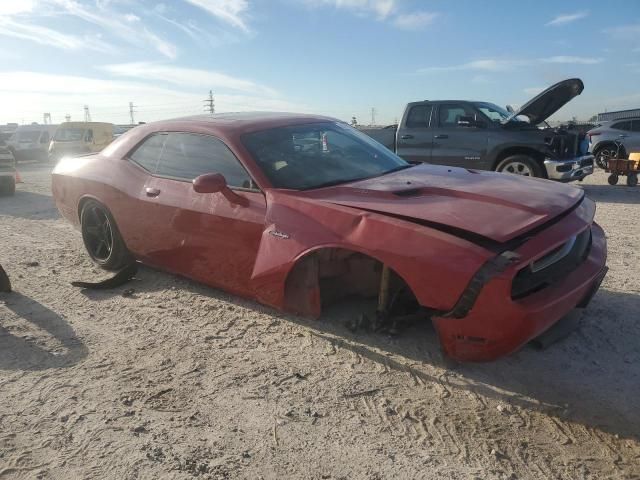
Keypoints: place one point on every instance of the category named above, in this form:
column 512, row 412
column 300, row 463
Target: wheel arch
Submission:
column 302, row 290
column 519, row 150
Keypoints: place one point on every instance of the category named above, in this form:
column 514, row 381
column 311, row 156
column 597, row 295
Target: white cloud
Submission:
column 415, row 20
column 382, row 9
column 572, row 60
column 566, row 18
column 185, row 77
column 20, row 20
column 13, row 7
column 47, row 36
column 232, row 12
column 483, row 65
column 503, row 65
column 108, row 99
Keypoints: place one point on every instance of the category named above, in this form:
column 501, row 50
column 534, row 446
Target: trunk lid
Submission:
column 494, row 206
column 545, row 104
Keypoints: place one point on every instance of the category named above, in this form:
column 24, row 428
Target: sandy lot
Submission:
column 182, row 381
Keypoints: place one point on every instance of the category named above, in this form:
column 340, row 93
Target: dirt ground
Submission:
column 181, row 381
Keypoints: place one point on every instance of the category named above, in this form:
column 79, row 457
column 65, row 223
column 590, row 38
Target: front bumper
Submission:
column 498, row 325
column 569, row 170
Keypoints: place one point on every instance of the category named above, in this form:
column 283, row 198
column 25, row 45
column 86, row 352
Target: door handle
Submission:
column 152, row 192
column 406, row 137
column 440, row 137
column 623, row 136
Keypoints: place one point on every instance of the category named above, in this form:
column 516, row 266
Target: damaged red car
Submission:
column 299, row 211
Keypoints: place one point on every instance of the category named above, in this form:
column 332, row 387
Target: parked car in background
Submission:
column 31, row 142
column 484, row 136
column 75, row 138
column 7, row 170
column 614, row 139
column 300, row 211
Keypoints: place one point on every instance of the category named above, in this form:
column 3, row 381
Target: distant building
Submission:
column 633, row 113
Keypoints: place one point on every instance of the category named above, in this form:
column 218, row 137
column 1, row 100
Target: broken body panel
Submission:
column 436, row 228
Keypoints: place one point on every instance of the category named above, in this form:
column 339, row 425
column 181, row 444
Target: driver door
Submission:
column 454, row 144
column 203, row 236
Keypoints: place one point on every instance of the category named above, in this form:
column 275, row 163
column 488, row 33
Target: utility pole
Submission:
column 87, row 114
column 373, row 115
column 67, row 118
column 209, row 103
column 131, row 112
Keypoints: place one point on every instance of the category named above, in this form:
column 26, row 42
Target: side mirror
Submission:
column 216, row 183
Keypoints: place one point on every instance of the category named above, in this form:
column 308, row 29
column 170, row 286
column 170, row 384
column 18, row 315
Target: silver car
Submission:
column 614, row 139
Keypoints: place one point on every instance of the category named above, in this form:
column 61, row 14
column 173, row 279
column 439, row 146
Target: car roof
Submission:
column 240, row 122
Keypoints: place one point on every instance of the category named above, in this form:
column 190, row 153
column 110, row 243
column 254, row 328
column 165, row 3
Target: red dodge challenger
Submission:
column 299, row 211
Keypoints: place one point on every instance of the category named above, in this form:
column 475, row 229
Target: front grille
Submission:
column 546, row 271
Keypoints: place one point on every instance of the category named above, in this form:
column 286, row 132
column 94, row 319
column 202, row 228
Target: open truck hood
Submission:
column 482, row 205
column 545, row 104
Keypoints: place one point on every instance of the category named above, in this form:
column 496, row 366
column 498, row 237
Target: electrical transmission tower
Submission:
column 87, row 114
column 67, row 118
column 131, row 112
column 47, row 118
column 209, row 103
column 373, row 115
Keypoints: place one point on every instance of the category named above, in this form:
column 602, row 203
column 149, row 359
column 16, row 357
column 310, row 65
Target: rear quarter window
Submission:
column 148, row 153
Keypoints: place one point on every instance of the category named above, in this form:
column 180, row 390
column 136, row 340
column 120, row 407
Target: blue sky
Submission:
column 335, row 57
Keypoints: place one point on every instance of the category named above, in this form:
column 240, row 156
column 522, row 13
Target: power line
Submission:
column 131, row 112
column 209, row 103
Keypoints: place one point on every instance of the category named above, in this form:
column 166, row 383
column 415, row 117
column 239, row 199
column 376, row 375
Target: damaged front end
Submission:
column 568, row 156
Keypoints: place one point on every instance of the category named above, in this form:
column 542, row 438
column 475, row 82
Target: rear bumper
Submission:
column 498, row 325
column 569, row 170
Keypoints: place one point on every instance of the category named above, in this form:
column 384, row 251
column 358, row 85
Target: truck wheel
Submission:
column 101, row 237
column 612, row 179
column 520, row 165
column 8, row 188
column 632, row 179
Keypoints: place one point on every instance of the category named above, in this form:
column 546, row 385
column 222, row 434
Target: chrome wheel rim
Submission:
column 517, row 168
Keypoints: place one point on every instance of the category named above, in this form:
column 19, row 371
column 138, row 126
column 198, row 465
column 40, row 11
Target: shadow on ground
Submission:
column 29, row 205
column 26, row 352
column 592, row 377
column 613, row 193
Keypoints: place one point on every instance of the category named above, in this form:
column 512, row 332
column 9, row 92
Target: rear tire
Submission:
column 520, row 165
column 102, row 238
column 612, row 179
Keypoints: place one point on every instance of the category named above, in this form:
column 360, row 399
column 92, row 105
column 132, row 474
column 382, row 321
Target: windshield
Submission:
column 69, row 134
column 494, row 112
column 317, row 155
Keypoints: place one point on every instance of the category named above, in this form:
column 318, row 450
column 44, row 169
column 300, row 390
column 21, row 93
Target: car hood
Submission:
column 472, row 204
column 542, row 106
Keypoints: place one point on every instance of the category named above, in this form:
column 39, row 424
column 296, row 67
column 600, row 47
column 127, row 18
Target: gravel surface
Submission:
column 177, row 380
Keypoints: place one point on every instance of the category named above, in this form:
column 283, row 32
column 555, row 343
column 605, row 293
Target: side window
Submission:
column 148, row 152
column 450, row 113
column 188, row 155
column 419, row 116
column 626, row 125
column 635, row 125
